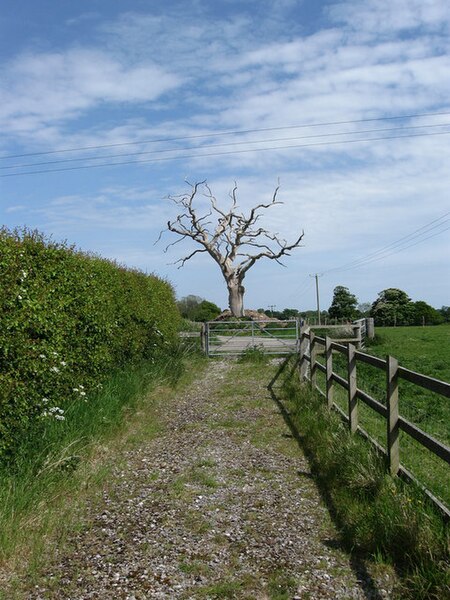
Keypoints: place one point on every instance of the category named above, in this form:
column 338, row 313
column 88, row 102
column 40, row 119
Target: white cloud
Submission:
column 380, row 16
column 200, row 73
column 47, row 88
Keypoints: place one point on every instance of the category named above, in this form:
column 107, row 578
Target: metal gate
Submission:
column 231, row 338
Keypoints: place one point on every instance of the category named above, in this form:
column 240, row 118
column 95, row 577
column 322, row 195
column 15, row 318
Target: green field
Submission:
column 422, row 349
column 425, row 350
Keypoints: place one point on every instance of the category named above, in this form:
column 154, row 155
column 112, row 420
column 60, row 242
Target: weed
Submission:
column 281, row 586
column 223, row 589
column 194, row 567
column 255, row 355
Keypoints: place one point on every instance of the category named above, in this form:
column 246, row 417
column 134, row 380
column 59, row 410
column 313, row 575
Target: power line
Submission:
column 393, row 248
column 228, row 153
column 302, row 288
column 235, row 143
column 224, row 133
column 399, row 250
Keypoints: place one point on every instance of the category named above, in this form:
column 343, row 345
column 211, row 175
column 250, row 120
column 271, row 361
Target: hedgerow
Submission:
column 67, row 319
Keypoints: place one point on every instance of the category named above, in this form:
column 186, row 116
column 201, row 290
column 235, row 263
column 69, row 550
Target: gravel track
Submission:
column 220, row 504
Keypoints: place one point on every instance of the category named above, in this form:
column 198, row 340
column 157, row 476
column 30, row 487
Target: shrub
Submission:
column 67, row 319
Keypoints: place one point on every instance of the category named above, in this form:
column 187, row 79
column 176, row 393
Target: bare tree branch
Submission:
column 230, row 238
column 186, row 258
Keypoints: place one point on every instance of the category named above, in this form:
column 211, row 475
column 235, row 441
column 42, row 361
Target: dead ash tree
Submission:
column 232, row 239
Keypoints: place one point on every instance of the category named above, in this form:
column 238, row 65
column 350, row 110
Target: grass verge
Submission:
column 378, row 516
column 42, row 493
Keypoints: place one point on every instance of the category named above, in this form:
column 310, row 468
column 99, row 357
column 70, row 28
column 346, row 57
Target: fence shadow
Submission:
column 367, row 584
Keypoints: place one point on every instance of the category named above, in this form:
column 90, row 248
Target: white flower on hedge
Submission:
column 82, row 393
column 42, row 356
column 55, row 353
column 19, row 297
column 60, row 417
column 75, row 390
column 81, row 387
column 63, row 363
column 44, row 400
column 24, row 274
column 54, row 369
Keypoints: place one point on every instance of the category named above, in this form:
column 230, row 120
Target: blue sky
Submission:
column 314, row 76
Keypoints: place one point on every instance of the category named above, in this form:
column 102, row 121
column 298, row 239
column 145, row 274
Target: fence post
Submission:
column 370, row 328
column 207, row 338
column 393, row 430
column 312, row 354
column 357, row 334
column 352, row 399
column 202, row 337
column 329, row 366
column 302, row 348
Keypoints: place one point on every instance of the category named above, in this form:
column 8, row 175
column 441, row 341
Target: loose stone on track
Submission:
column 221, row 504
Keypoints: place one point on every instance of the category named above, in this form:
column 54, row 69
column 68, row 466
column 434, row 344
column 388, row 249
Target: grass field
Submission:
column 425, row 350
column 422, row 349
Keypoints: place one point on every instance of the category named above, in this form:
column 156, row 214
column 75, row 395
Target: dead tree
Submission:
column 231, row 239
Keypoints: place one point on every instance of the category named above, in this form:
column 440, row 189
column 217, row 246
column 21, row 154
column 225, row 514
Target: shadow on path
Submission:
column 364, row 579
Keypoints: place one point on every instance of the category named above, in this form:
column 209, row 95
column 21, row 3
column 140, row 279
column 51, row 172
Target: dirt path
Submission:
column 220, row 504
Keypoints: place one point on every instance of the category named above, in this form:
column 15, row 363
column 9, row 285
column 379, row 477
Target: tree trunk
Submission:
column 236, row 298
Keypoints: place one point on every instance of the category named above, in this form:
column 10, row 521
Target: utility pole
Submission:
column 316, row 276
column 271, row 307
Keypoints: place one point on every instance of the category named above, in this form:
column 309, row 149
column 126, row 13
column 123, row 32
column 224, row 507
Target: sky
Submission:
column 108, row 108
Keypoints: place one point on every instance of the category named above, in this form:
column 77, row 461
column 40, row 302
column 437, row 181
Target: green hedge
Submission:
column 66, row 320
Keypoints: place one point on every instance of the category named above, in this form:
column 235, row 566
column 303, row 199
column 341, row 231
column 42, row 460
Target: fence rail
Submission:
column 309, row 366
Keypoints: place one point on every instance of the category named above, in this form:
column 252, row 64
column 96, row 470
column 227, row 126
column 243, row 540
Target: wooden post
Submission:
column 329, row 366
column 312, row 353
column 202, row 337
column 301, row 352
column 303, row 348
column 357, row 334
column 370, row 328
column 393, row 430
column 352, row 399
column 207, row 338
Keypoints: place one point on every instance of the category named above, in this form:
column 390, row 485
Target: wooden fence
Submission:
column 309, row 366
column 360, row 329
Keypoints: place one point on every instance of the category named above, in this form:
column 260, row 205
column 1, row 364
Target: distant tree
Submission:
column 206, row 311
column 343, row 305
column 275, row 314
column 311, row 315
column 445, row 312
column 424, row 314
column 392, row 307
column 289, row 313
column 188, row 305
column 364, row 309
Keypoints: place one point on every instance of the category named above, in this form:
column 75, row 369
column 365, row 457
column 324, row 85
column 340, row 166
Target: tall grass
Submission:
column 377, row 515
column 40, row 490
